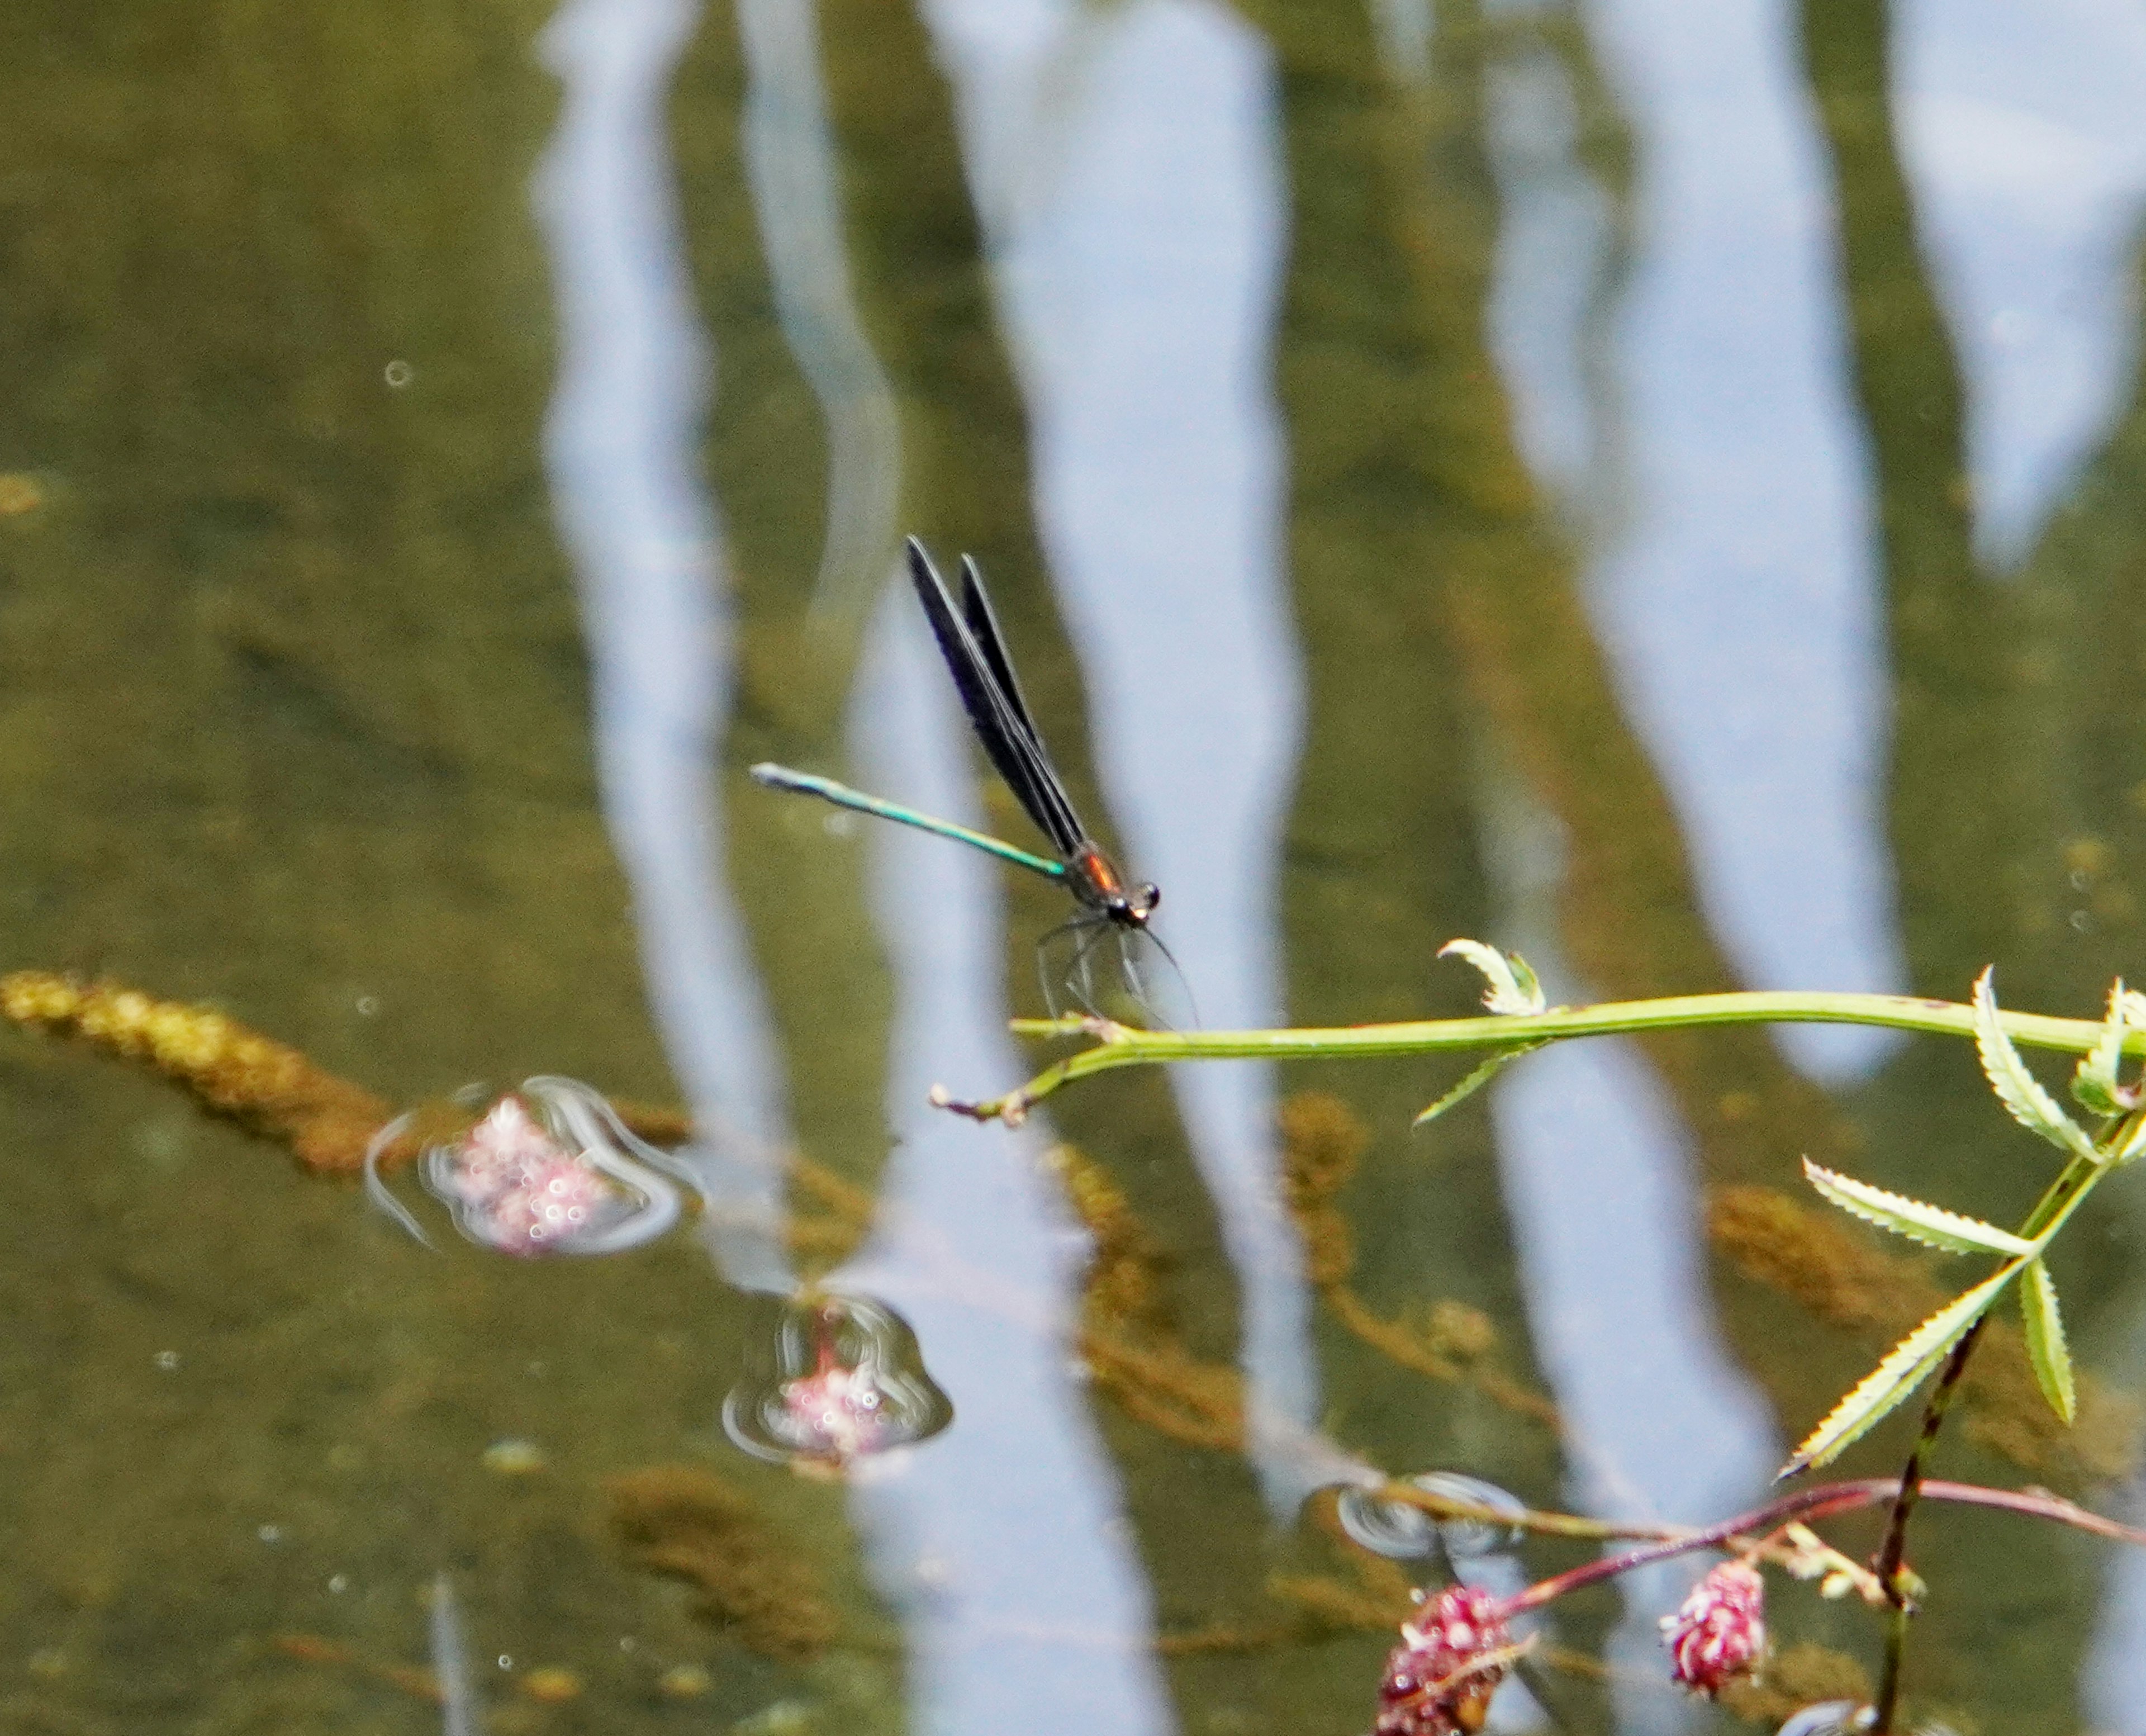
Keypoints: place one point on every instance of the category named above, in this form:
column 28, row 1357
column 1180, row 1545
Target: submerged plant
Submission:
column 552, row 1168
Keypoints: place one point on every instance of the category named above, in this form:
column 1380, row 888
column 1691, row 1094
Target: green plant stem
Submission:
column 1118, row 1046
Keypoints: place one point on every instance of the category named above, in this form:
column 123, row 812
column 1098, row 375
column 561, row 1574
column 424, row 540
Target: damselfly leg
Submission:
column 1098, row 967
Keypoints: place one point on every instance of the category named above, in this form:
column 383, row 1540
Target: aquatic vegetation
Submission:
column 1321, row 1140
column 1797, row 1676
column 839, row 1377
column 688, row 1523
column 548, row 1169
column 266, row 1086
column 553, row 1168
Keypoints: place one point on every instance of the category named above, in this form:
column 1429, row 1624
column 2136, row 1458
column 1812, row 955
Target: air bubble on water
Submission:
column 1403, row 1533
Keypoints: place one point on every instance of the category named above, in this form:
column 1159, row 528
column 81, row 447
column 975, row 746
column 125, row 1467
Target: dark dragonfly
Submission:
column 1114, row 916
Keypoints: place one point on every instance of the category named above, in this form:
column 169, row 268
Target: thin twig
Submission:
column 1892, row 1554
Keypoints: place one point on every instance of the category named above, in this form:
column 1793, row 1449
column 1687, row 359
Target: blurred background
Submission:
column 1657, row 486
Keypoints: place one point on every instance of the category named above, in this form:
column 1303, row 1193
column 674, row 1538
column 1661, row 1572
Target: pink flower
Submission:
column 503, row 1151
column 550, row 1168
column 547, row 1203
column 1440, row 1681
column 839, row 1379
column 1720, row 1631
column 838, row 1414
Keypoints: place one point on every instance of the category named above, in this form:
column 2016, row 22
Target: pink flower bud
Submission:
column 1450, row 1661
column 1720, row 1631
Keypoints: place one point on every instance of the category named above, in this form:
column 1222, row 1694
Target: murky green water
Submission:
column 1620, row 483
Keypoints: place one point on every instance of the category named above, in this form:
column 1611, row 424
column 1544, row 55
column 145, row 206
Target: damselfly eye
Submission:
column 1150, row 896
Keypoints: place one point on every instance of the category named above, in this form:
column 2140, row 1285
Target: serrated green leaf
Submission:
column 2134, row 1142
column 1905, row 1367
column 2045, row 1340
column 2094, row 1085
column 1512, row 988
column 1474, row 1082
column 2017, row 1089
column 1932, row 1225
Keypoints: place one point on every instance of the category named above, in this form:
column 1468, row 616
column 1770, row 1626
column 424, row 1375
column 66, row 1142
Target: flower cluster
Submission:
column 516, row 1188
column 1439, row 1680
column 1720, row 1630
column 838, row 1414
column 840, row 1379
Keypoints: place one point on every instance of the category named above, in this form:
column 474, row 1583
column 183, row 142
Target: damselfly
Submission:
column 1113, row 922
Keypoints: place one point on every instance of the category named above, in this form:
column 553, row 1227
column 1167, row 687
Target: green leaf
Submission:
column 2045, row 1340
column 1932, row 1225
column 1906, row 1366
column 1474, row 1082
column 1513, row 988
column 2017, row 1089
column 2134, row 1142
column 2096, row 1082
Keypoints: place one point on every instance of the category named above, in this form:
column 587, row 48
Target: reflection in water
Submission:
column 569, row 1179
column 1597, row 1184
column 459, row 1712
column 1403, row 1533
column 1739, row 608
column 1829, row 1718
column 2024, row 136
column 620, row 448
column 1004, row 1544
column 792, row 165
column 839, row 1378
column 1127, row 175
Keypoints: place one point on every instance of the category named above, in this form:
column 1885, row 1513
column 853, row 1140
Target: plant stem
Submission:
column 1825, row 1501
column 1891, row 1554
column 1118, row 1046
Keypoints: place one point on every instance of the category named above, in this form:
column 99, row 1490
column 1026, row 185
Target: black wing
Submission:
column 984, row 628
column 983, row 678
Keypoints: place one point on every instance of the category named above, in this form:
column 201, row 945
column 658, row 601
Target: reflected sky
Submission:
column 621, row 445
column 1004, row 1542
column 1735, row 597
column 1135, row 204
column 1126, row 165
column 792, row 160
column 2025, row 139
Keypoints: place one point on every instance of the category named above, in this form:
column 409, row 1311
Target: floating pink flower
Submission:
column 548, row 1169
column 1439, row 1681
column 840, row 1379
column 1720, row 1631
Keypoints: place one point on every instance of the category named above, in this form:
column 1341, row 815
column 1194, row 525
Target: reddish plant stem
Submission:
column 1822, row 1502
column 1893, row 1553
